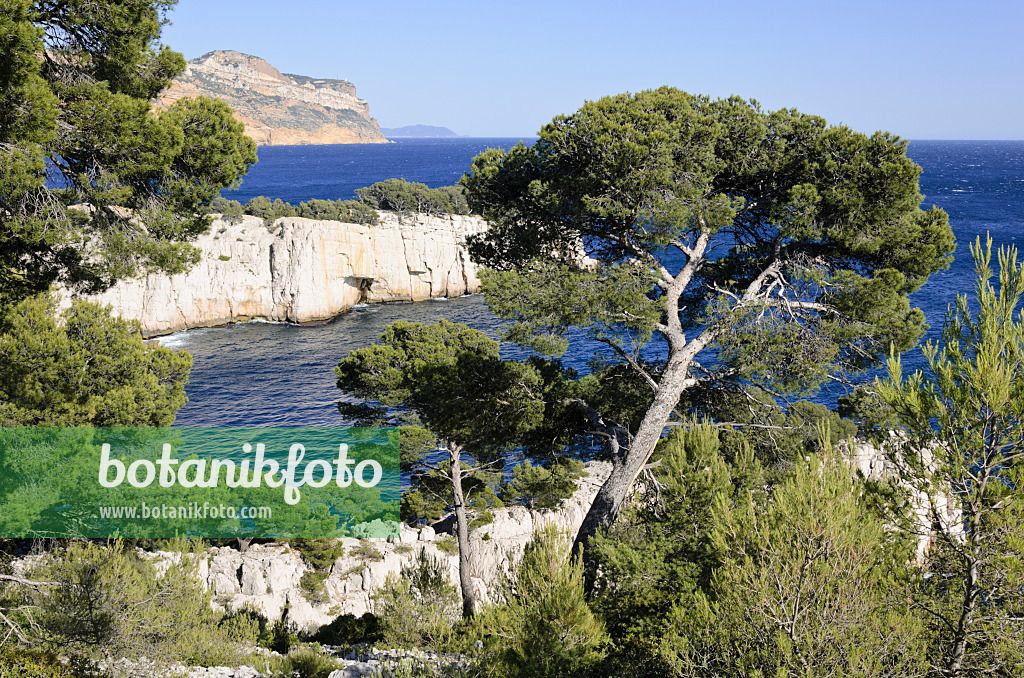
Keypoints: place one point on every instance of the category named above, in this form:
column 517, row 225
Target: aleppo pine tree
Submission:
column 964, row 450
column 787, row 245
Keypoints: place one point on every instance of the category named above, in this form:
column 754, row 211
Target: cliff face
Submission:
column 302, row 270
column 278, row 108
column 268, row 577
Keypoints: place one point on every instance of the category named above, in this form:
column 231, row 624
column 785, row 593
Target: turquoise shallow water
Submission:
column 262, row 374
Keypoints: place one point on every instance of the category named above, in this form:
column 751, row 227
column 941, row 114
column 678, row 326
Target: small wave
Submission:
column 269, row 322
column 176, row 340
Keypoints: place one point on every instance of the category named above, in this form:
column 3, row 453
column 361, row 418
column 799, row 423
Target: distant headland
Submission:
column 418, row 132
column 278, row 108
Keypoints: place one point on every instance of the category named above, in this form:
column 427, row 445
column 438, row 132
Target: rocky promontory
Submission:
column 303, row 270
column 278, row 108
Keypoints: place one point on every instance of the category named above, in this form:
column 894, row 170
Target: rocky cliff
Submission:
column 278, row 108
column 302, row 270
column 268, row 577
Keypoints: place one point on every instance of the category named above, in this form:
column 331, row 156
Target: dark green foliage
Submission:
column 76, row 83
column 109, row 599
column 305, row 661
column 230, row 211
column 269, row 211
column 367, row 553
column 453, row 379
column 119, row 380
column 347, row 630
column 608, row 301
column 543, row 487
column 399, row 195
column 320, row 553
column 418, row 608
column 280, row 638
column 874, row 417
column 312, row 585
column 544, row 627
column 19, row 662
column 349, row 211
column 395, row 195
column 657, row 556
column 788, row 245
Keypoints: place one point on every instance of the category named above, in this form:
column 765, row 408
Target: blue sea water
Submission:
column 298, row 173
column 264, row 374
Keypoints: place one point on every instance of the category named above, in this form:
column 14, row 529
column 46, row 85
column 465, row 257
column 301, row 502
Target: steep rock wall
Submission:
column 303, row 270
column 277, row 108
column 268, row 577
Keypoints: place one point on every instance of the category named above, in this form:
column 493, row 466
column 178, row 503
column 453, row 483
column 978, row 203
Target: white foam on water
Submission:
column 176, row 340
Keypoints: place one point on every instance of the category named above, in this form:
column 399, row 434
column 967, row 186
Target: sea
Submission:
column 278, row 374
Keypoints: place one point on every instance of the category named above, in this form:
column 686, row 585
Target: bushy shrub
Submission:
column 319, row 553
column 399, row 195
column 109, row 599
column 19, row 662
column 420, row 607
column 544, row 627
column 393, row 195
column 312, row 585
column 447, row 544
column 226, row 208
column 543, row 487
column 367, row 553
column 347, row 630
column 306, row 661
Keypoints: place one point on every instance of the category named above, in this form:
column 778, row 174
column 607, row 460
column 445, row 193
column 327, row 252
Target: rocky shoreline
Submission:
column 302, row 271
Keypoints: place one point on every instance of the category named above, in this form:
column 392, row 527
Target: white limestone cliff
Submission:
column 303, row 270
column 267, row 577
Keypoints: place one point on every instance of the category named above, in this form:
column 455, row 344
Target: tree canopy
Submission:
column 786, row 245
column 84, row 369
column 95, row 186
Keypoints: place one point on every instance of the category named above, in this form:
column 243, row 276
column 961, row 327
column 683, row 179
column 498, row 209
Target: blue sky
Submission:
column 923, row 70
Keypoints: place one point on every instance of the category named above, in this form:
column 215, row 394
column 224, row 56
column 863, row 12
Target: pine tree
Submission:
column 964, row 449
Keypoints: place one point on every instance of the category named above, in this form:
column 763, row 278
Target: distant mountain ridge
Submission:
column 278, row 108
column 417, row 131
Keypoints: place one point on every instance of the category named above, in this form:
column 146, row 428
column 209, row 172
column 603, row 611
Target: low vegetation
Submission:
column 393, row 195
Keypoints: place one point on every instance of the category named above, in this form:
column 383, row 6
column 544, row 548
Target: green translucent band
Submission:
column 199, row 482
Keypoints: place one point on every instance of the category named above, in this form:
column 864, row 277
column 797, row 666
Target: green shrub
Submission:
column 367, row 553
column 109, row 599
column 312, row 584
column 348, row 630
column 280, row 638
column 399, row 195
column 545, row 627
column 447, row 544
column 321, row 554
column 19, row 662
column 420, row 607
column 307, row 661
column 543, row 487
column 224, row 257
column 226, row 208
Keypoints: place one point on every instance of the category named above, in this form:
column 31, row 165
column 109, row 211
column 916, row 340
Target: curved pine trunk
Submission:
column 469, row 599
column 628, row 465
